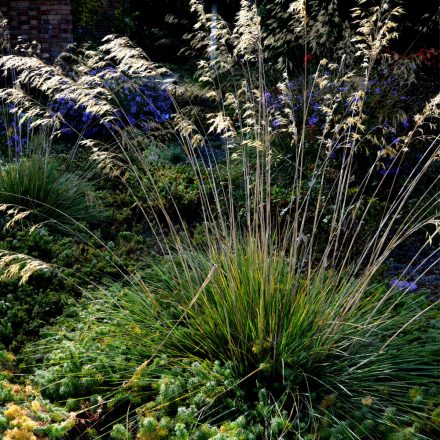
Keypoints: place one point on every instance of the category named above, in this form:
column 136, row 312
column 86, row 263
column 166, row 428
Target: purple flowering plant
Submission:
column 403, row 285
column 141, row 103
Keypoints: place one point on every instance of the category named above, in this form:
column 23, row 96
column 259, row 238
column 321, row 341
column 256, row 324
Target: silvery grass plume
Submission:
column 44, row 83
column 35, row 74
column 246, row 123
column 13, row 265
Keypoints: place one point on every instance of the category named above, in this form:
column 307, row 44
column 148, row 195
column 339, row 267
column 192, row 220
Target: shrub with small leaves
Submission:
column 25, row 415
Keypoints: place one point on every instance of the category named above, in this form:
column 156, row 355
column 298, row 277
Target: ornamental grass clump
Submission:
column 39, row 189
column 325, row 352
column 268, row 320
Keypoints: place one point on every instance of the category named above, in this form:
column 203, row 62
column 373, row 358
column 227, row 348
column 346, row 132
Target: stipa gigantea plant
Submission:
column 283, row 298
column 344, row 211
column 284, row 30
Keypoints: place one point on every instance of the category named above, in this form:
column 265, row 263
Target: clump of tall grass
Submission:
column 282, row 296
column 37, row 186
column 321, row 350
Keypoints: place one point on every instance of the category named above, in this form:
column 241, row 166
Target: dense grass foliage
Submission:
column 300, row 343
column 37, row 185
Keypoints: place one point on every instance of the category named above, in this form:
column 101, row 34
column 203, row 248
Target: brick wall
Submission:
column 49, row 22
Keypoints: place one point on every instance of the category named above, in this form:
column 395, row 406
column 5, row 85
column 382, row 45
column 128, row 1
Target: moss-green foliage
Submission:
column 78, row 262
column 177, row 190
column 24, row 310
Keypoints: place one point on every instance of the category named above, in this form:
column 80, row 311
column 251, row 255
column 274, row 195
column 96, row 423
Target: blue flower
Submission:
column 389, row 171
column 87, row 117
column 276, row 123
column 313, row 120
column 404, row 285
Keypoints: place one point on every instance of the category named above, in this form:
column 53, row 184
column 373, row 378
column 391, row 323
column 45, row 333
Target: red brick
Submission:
column 47, row 21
